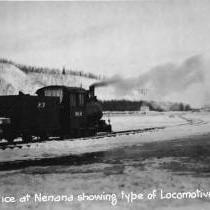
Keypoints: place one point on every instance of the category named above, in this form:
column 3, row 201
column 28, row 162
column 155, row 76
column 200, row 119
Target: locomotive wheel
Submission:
column 43, row 137
column 91, row 132
column 10, row 139
column 27, row 138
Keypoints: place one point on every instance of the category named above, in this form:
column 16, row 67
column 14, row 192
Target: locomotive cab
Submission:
column 80, row 112
column 72, row 107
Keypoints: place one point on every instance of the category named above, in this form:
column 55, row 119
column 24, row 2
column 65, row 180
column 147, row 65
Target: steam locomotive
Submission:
column 56, row 111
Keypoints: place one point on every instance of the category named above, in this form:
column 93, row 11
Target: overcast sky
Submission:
column 126, row 38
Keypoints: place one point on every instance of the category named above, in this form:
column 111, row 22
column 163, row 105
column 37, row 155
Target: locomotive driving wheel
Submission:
column 10, row 139
column 27, row 138
column 43, row 136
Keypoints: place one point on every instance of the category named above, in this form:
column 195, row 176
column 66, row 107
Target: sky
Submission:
column 108, row 38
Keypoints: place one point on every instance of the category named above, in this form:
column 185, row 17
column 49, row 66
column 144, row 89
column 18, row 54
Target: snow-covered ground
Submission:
column 136, row 120
column 175, row 159
column 119, row 122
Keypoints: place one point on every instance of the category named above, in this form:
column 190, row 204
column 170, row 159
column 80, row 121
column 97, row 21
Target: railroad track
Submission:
column 191, row 121
column 68, row 158
column 21, row 144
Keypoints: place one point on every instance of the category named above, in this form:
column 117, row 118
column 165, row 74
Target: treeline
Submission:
column 34, row 69
column 120, row 105
column 126, row 105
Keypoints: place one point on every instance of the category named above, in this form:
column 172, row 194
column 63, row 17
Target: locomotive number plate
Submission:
column 41, row 105
column 78, row 114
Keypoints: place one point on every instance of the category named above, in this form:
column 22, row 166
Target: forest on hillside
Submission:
column 65, row 71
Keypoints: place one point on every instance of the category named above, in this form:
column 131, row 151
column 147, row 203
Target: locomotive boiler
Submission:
column 56, row 111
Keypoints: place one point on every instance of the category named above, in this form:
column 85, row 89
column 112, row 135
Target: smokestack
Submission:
column 107, row 82
column 92, row 91
column 102, row 84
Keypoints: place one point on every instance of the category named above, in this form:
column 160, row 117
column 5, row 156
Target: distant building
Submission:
column 206, row 108
column 144, row 108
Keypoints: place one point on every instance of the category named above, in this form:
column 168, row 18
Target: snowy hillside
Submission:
column 13, row 80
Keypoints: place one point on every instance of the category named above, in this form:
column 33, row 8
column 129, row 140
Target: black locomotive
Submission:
column 56, row 111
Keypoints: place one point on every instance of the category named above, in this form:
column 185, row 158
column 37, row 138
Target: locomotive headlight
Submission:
column 5, row 121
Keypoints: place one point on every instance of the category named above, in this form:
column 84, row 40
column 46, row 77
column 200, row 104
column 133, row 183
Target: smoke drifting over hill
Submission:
column 187, row 82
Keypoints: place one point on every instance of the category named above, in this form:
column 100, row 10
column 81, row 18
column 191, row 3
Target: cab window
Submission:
column 55, row 93
column 72, row 98
column 81, row 99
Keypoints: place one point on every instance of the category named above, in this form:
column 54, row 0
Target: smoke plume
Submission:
column 107, row 82
column 186, row 82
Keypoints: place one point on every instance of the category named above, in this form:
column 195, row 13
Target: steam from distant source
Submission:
column 187, row 82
